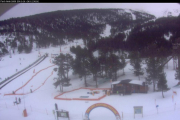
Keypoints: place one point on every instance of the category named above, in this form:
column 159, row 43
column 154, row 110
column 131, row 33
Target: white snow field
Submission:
column 41, row 103
column 107, row 31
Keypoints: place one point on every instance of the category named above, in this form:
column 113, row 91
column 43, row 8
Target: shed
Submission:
column 128, row 86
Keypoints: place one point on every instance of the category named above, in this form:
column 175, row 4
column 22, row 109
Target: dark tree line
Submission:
column 48, row 28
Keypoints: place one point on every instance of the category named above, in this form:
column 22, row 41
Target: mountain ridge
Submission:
column 59, row 27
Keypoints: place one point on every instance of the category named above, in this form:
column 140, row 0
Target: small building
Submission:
column 129, row 86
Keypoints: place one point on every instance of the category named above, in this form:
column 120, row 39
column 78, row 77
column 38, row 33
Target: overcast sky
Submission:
column 26, row 9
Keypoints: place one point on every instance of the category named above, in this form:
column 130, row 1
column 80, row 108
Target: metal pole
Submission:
column 23, row 95
column 173, row 62
column 60, row 47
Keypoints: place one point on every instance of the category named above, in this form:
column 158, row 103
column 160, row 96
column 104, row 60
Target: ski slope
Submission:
column 16, row 75
column 40, row 103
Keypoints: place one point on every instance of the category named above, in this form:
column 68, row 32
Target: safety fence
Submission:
column 9, row 79
column 29, row 108
column 79, row 116
column 88, row 99
column 30, row 80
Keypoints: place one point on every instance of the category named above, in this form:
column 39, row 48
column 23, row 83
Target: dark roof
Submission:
column 125, row 81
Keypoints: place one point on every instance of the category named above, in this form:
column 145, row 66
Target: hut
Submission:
column 129, row 86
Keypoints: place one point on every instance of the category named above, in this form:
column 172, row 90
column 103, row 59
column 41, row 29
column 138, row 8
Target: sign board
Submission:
column 64, row 114
column 138, row 110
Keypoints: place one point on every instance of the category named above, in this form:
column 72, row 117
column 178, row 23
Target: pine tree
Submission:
column 13, row 44
column 94, row 68
column 123, row 63
column 113, row 64
column 153, row 70
column 162, row 83
column 177, row 74
column 27, row 48
column 4, row 51
column 81, row 63
column 136, row 61
column 20, row 48
column 63, row 62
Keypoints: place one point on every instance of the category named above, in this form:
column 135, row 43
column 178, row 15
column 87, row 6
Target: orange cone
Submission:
column 24, row 113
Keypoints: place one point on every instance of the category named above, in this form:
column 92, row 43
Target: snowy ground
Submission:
column 40, row 103
column 107, row 31
column 82, row 92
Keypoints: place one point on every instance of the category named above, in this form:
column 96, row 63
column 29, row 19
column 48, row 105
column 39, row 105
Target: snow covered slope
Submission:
column 40, row 103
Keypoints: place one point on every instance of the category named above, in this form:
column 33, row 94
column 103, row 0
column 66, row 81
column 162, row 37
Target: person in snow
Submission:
column 56, row 107
column 19, row 100
column 15, row 101
column 31, row 90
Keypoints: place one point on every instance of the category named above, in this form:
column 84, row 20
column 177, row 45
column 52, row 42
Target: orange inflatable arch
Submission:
column 102, row 105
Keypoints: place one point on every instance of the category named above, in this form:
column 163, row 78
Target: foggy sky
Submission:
column 26, row 9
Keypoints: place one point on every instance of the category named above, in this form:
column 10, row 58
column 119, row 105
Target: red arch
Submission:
column 102, row 105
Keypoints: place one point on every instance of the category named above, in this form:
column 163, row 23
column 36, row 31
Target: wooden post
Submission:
column 173, row 62
column 46, row 112
column 174, row 106
column 54, row 114
column 173, row 98
column 31, row 108
column 6, row 104
column 134, row 113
